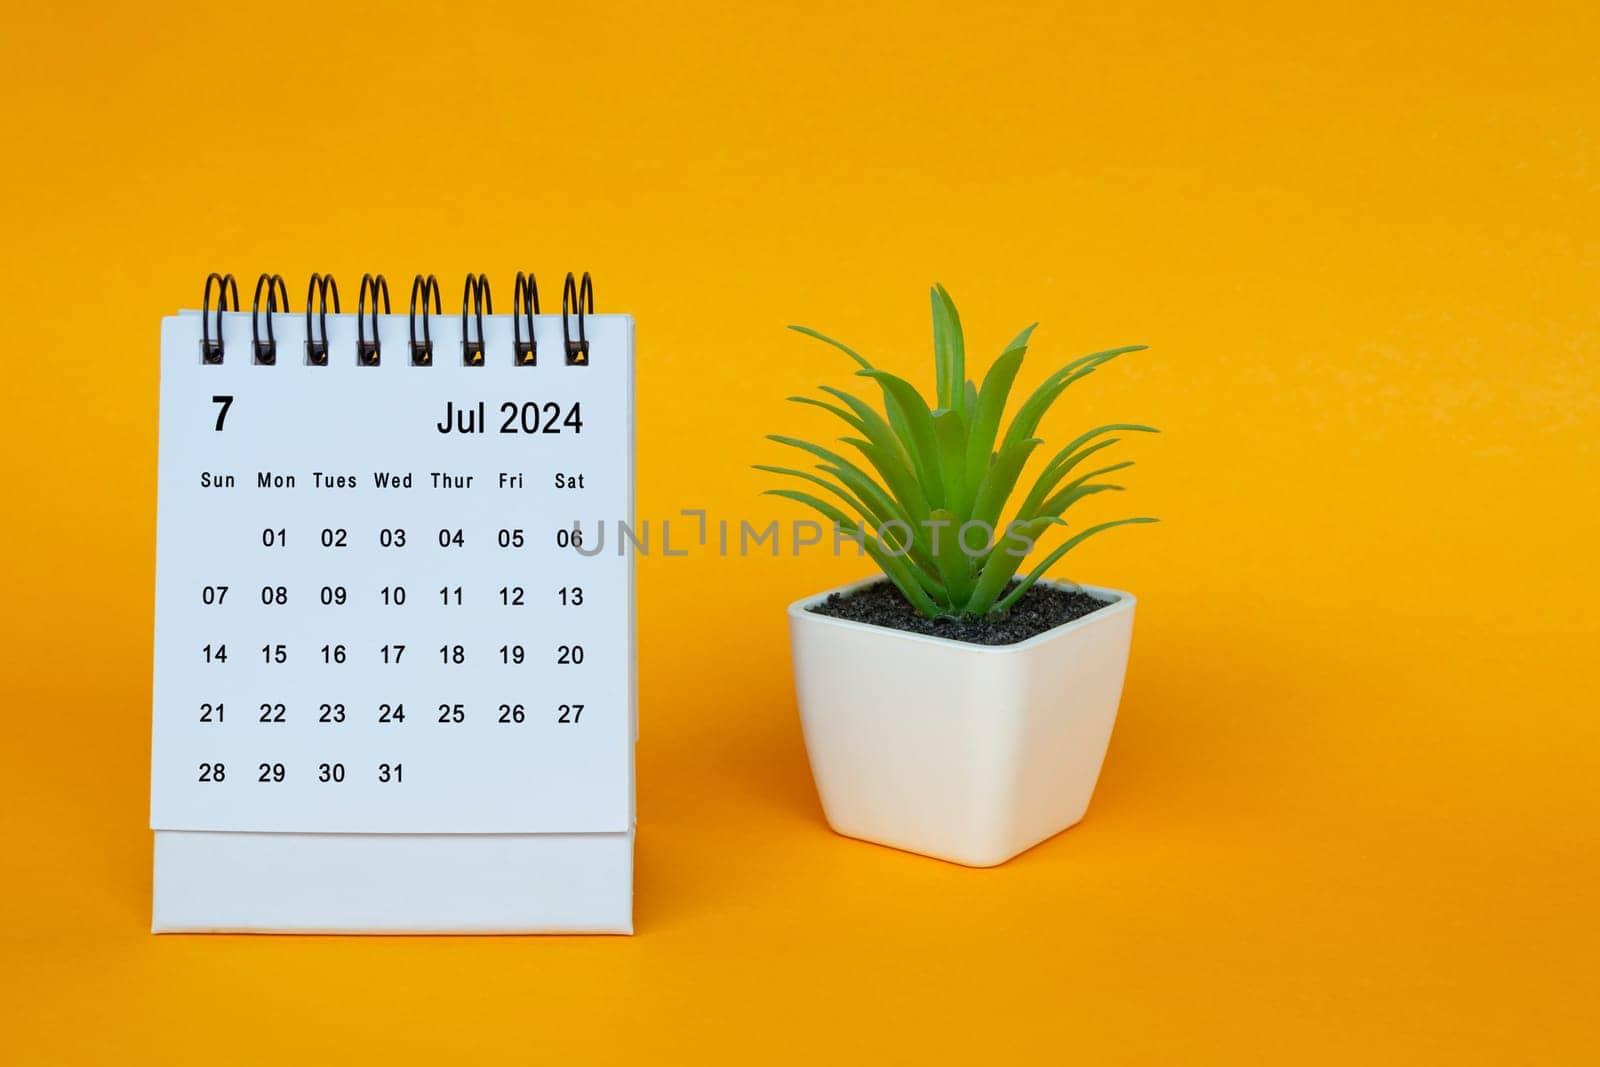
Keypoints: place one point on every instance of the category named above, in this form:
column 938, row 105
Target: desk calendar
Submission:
column 394, row 683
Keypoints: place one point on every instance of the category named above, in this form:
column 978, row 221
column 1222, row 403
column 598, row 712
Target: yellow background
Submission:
column 1350, row 807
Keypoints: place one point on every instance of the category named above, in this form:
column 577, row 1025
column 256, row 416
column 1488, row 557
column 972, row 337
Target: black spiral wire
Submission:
column 524, row 306
column 322, row 286
column 211, row 350
column 266, row 352
column 422, row 351
column 477, row 290
column 577, row 303
column 369, row 353
column 573, row 294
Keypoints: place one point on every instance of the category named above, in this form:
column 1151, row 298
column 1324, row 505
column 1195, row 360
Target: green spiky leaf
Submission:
column 825, row 339
column 1034, row 408
column 903, row 576
column 1012, row 546
column 949, row 351
column 918, row 437
column 850, row 418
column 1049, row 561
column 992, row 404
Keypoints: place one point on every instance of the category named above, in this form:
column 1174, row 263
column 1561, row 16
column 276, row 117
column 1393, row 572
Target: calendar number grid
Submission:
column 371, row 613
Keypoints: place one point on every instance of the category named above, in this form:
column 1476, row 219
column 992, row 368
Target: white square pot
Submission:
column 970, row 753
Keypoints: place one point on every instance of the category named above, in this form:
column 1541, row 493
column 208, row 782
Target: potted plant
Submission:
column 949, row 706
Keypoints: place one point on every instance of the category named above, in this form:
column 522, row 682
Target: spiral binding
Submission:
column 321, row 286
column 477, row 289
column 577, row 351
column 577, row 302
column 368, row 353
column 524, row 306
column 266, row 351
column 421, row 351
column 211, row 351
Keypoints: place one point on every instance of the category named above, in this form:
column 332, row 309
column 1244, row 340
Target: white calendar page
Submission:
column 367, row 625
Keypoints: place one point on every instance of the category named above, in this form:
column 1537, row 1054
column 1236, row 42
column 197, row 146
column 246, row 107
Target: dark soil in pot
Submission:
column 1043, row 607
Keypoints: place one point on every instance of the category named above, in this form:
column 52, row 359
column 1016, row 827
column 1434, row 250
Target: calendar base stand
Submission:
column 210, row 882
